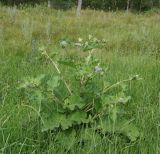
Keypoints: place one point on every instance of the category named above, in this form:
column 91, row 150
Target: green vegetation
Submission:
column 140, row 5
column 127, row 44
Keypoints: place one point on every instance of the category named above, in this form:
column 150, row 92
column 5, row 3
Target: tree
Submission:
column 79, row 7
column 49, row 3
column 140, row 5
column 128, row 5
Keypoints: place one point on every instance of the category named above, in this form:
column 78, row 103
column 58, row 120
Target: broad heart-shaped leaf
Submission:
column 53, row 82
column 97, row 104
column 78, row 117
column 55, row 120
column 52, row 118
column 50, row 121
column 74, row 101
column 95, row 85
column 61, row 91
column 120, row 126
column 130, row 131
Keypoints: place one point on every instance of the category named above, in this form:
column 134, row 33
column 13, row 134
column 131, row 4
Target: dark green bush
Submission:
column 140, row 5
column 18, row 2
column 63, row 4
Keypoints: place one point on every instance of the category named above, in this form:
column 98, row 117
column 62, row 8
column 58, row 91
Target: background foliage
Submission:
column 132, row 47
column 140, row 5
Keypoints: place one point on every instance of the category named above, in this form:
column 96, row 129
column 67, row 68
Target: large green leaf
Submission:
column 52, row 118
column 53, row 82
column 55, row 120
column 120, row 126
column 78, row 117
column 65, row 122
column 74, row 101
column 61, row 92
column 50, row 121
column 130, row 130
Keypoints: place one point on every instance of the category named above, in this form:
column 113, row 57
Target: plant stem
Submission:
column 115, row 85
column 58, row 71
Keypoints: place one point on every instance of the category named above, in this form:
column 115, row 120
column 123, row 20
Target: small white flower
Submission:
column 80, row 39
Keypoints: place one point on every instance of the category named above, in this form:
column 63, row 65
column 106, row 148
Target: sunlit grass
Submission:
column 133, row 47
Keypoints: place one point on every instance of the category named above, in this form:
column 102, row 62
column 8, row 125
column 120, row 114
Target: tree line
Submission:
column 140, row 5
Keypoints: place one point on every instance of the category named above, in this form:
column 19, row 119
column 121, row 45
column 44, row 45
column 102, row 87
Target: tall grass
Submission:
column 133, row 47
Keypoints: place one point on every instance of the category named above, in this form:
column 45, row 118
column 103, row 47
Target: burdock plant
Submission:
column 78, row 97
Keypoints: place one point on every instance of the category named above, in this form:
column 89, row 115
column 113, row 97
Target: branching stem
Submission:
column 58, row 71
column 118, row 83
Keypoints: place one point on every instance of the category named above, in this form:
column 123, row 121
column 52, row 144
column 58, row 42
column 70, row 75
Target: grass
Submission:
column 133, row 47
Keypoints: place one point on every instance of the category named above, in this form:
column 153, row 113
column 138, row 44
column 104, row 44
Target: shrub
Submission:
column 78, row 96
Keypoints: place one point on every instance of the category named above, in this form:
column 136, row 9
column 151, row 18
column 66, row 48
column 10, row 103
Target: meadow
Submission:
column 132, row 46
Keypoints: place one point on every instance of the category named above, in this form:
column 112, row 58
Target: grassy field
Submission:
column 133, row 47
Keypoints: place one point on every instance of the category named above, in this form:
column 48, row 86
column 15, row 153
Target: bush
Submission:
column 140, row 5
column 77, row 96
column 62, row 4
column 18, row 2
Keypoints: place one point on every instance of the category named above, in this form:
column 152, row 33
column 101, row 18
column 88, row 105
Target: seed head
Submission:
column 63, row 44
column 99, row 70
